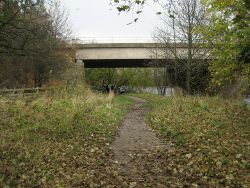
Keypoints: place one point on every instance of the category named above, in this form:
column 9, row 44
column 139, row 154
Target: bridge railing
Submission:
column 96, row 40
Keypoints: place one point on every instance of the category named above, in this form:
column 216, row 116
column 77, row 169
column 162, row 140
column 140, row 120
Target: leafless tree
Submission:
column 180, row 28
column 59, row 20
column 160, row 70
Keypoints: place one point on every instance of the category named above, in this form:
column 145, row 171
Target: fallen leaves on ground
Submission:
column 210, row 137
column 62, row 142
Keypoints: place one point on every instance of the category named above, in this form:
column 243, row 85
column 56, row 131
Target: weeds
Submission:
column 210, row 137
column 59, row 139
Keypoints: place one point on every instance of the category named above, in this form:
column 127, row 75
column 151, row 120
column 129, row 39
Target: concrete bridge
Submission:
column 108, row 55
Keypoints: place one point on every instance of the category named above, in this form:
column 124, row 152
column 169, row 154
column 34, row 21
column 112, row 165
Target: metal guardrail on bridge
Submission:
column 96, row 40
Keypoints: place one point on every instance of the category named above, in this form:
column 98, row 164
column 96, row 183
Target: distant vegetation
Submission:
column 131, row 77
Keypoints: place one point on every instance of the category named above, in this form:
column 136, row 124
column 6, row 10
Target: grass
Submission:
column 58, row 140
column 210, row 138
column 63, row 140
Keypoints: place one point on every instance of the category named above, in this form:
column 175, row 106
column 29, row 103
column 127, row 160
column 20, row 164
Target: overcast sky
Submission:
column 97, row 19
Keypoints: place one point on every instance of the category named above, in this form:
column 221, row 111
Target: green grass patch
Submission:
column 211, row 137
column 123, row 100
column 58, row 141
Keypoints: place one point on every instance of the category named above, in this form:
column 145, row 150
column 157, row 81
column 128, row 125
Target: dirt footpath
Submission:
column 134, row 140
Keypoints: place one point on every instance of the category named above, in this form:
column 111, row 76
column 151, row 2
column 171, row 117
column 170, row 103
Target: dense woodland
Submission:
column 33, row 43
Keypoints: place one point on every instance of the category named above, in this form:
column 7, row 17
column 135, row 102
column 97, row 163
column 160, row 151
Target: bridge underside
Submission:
column 124, row 63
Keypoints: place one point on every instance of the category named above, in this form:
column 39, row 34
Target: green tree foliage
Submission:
column 132, row 77
column 228, row 35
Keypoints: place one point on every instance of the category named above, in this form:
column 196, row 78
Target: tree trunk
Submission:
column 190, row 46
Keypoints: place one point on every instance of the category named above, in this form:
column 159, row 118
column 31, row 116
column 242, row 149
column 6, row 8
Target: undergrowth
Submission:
column 59, row 139
column 208, row 139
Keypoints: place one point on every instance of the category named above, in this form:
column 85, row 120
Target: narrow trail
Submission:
column 134, row 140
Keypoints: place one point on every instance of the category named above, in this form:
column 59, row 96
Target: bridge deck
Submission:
column 129, row 54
